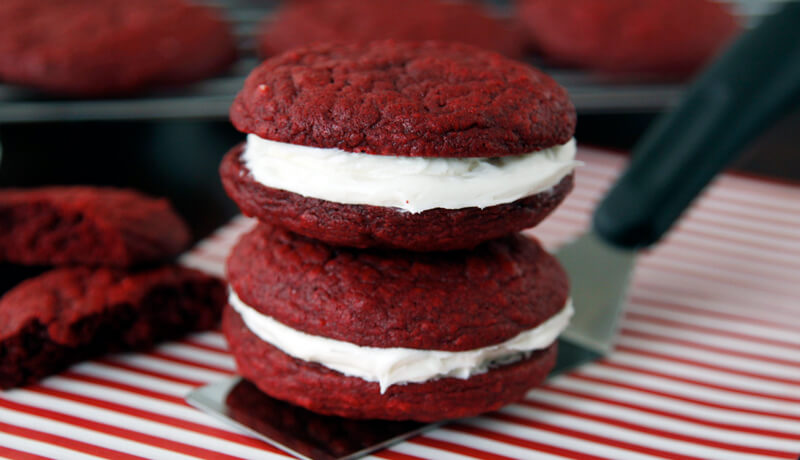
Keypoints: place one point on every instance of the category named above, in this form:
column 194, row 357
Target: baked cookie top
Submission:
column 450, row 301
column 406, row 99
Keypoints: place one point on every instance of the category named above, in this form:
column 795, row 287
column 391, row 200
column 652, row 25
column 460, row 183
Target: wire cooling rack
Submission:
column 211, row 98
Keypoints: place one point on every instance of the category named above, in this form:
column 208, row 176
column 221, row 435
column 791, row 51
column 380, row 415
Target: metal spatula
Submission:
column 744, row 91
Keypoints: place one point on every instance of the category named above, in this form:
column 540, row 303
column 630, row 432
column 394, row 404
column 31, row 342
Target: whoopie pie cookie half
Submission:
column 388, row 334
column 419, row 146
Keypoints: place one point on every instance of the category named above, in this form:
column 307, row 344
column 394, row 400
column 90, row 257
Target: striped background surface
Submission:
column 707, row 364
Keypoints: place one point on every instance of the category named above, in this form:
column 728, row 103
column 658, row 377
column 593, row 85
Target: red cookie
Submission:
column 451, row 301
column 400, row 100
column 306, row 22
column 364, row 226
column 69, row 314
column 109, row 47
column 644, row 37
column 88, row 226
column 404, row 99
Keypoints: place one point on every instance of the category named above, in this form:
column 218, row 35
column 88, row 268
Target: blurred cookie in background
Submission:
column 649, row 38
column 110, row 47
column 303, row 22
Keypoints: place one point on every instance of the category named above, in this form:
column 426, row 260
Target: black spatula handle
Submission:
column 753, row 84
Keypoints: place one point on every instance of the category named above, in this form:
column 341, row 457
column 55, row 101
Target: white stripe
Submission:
column 702, row 374
column 211, row 358
column 42, row 448
column 425, row 451
column 792, row 339
column 215, row 248
column 651, row 401
column 137, row 424
column 86, row 435
column 203, row 264
column 212, row 339
column 714, row 340
column 556, row 439
column 736, row 363
column 690, row 390
column 623, row 434
column 488, row 445
column 171, row 368
column 136, row 379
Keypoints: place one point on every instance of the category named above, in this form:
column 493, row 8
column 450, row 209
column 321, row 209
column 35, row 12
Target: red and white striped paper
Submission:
column 707, row 364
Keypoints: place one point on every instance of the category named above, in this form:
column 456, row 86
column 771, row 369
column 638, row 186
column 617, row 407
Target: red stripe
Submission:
column 616, row 365
column 72, row 375
column 133, row 368
column 709, row 330
column 659, row 412
column 688, row 296
column 713, row 259
column 19, row 455
column 645, row 299
column 678, row 397
column 586, row 436
column 706, row 365
column 396, row 455
column 187, row 362
column 524, row 443
column 155, row 417
column 66, row 443
column 751, row 284
column 689, row 343
column 647, row 430
column 725, row 182
column 457, row 448
column 579, row 205
column 114, row 431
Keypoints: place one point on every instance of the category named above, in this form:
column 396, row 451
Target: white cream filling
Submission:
column 414, row 184
column 391, row 366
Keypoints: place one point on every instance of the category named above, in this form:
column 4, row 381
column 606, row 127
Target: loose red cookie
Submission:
column 364, row 226
column 322, row 390
column 70, row 314
column 666, row 38
column 302, row 23
column 449, row 301
column 110, row 47
column 88, row 226
column 425, row 99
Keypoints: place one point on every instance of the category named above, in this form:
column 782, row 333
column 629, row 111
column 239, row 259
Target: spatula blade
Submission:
column 599, row 275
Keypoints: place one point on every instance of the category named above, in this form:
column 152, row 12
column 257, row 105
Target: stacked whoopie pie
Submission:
column 385, row 278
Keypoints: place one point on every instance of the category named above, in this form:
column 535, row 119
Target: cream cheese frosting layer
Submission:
column 415, row 184
column 392, row 366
